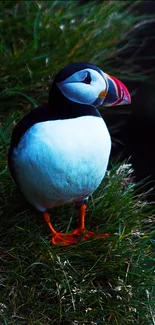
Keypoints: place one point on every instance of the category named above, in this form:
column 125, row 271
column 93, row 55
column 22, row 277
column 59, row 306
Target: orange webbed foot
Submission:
column 64, row 239
column 75, row 236
column 72, row 238
column 83, row 234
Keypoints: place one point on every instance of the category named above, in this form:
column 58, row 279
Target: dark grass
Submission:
column 94, row 282
column 38, row 38
column 107, row 281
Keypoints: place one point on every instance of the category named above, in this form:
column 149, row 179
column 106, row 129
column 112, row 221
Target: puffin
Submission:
column 59, row 151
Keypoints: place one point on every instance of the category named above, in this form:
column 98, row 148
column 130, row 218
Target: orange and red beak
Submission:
column 117, row 93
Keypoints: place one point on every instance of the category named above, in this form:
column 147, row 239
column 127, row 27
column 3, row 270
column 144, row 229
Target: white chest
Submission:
column 62, row 161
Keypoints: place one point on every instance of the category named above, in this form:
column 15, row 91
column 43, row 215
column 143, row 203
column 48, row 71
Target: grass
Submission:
column 38, row 38
column 96, row 282
column 107, row 281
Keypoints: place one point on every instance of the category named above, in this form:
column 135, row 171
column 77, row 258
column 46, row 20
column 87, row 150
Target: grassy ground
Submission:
column 107, row 281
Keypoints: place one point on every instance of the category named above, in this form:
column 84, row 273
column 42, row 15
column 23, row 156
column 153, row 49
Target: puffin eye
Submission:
column 87, row 79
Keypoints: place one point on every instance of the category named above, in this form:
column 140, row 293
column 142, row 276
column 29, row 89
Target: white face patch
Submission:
column 75, row 89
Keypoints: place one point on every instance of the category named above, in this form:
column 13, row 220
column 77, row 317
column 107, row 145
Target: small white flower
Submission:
column 2, row 308
column 124, row 168
column 119, row 297
column 88, row 309
column 137, row 233
column 133, row 309
column 62, row 26
column 119, row 288
column 129, row 290
column 39, row 5
column 46, row 61
column 72, row 21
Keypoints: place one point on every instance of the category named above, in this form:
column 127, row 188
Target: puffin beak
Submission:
column 117, row 93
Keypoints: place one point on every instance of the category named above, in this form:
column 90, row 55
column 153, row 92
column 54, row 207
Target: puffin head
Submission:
column 85, row 83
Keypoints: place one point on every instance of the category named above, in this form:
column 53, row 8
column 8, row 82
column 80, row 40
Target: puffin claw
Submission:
column 75, row 237
column 65, row 239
